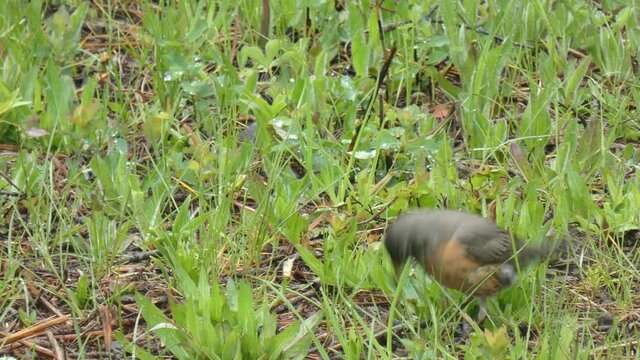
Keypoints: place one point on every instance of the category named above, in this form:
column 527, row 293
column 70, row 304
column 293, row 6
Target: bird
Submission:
column 460, row 250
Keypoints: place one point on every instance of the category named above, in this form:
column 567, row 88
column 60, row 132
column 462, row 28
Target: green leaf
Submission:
column 82, row 289
column 157, row 322
column 232, row 348
column 309, row 258
column 575, row 79
column 197, row 30
column 27, row 318
column 12, row 103
column 451, row 90
column 271, row 49
column 269, row 325
column 133, row 349
column 299, row 345
column 623, row 18
column 359, row 50
column 247, row 319
column 521, row 160
column 232, row 295
column 360, row 55
column 589, row 152
column 254, row 53
column 374, row 33
column 277, row 346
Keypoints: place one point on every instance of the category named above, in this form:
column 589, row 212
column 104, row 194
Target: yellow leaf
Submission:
column 83, row 114
column 157, row 125
column 498, row 342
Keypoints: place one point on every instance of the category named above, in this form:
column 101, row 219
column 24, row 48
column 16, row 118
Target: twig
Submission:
column 30, row 345
column 497, row 39
column 8, row 180
column 57, row 349
column 264, row 24
column 281, row 306
column 34, row 330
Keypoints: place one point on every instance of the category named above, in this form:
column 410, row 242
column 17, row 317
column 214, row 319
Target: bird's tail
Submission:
column 538, row 253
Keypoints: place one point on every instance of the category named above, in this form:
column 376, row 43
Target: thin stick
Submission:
column 34, row 330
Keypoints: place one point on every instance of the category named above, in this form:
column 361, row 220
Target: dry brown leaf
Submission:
column 442, row 111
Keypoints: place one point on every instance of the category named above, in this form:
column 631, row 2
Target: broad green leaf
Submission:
column 162, row 326
column 299, row 345
column 576, row 78
column 232, row 295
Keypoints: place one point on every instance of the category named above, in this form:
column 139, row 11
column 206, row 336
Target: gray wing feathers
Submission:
column 419, row 233
column 489, row 244
column 485, row 242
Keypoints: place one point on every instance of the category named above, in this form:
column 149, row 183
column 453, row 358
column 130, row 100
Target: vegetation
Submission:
column 179, row 180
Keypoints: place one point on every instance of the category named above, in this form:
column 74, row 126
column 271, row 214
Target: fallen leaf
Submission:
column 287, row 267
column 35, row 132
column 442, row 111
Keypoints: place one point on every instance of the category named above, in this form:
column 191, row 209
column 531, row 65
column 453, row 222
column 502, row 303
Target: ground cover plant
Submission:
column 212, row 179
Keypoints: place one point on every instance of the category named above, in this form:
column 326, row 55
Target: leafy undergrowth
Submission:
column 180, row 180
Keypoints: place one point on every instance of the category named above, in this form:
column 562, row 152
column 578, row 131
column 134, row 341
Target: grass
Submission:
column 136, row 224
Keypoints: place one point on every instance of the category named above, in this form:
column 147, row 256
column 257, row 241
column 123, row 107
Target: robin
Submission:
column 461, row 251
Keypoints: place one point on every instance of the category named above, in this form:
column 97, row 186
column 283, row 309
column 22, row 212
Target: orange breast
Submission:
column 452, row 267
